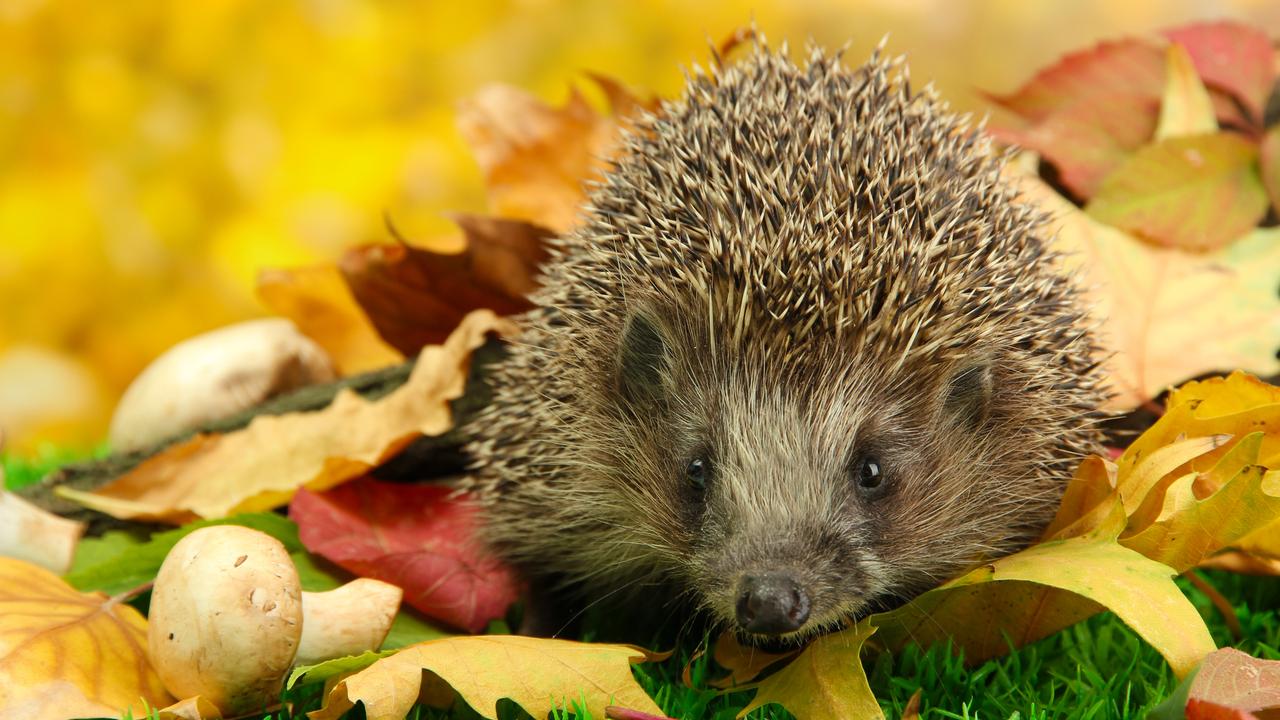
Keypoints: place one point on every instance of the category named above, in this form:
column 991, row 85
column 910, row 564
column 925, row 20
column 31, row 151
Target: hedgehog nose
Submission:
column 771, row 604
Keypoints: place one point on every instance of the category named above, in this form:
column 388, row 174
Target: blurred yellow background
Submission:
column 157, row 154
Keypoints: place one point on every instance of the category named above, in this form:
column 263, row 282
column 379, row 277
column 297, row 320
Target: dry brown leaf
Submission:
column 415, row 295
column 260, row 467
column 318, row 301
column 535, row 157
column 69, row 654
column 1165, row 314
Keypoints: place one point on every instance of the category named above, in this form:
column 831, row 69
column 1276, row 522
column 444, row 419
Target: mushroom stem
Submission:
column 346, row 621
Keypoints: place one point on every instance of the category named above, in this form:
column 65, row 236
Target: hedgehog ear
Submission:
column 969, row 391
column 642, row 359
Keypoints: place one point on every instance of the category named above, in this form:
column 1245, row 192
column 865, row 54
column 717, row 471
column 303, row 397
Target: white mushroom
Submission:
column 228, row 618
column 214, row 375
column 347, row 621
column 35, row 535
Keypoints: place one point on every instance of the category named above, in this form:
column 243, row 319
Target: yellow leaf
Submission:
column 319, row 302
column 69, row 654
column 261, row 466
column 825, row 681
column 537, row 674
column 1165, row 314
column 1186, row 108
column 1247, row 498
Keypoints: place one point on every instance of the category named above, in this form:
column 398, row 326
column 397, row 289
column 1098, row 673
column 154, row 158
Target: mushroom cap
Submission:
column 226, row 618
column 214, row 375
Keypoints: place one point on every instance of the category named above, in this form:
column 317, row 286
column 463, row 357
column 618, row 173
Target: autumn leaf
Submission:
column 1197, row 193
column 1185, row 108
column 415, row 296
column 536, row 158
column 1086, row 141
column 744, row 663
column 1157, row 307
column 1087, row 113
column 825, row 681
column 1245, row 497
column 1115, row 69
column 318, row 301
column 261, row 466
column 1233, row 679
column 1029, row 595
column 67, row 654
column 418, row 537
column 1232, row 56
column 537, row 674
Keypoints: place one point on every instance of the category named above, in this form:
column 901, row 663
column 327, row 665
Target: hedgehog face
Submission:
column 807, row 495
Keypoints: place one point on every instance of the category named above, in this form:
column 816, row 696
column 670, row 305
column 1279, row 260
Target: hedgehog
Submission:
column 805, row 356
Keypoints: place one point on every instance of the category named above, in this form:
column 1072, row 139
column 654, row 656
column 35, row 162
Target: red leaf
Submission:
column 1236, row 681
column 414, row 536
column 1088, row 140
column 415, row 296
column 1205, row 710
column 1128, row 68
column 1231, row 56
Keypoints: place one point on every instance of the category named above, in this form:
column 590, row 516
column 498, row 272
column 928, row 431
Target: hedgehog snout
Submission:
column 771, row 604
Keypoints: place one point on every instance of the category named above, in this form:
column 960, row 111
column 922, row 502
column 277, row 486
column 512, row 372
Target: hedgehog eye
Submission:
column 870, row 477
column 697, row 472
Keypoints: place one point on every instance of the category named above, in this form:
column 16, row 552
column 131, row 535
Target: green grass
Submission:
column 1096, row 670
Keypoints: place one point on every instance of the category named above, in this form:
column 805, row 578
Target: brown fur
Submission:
column 822, row 253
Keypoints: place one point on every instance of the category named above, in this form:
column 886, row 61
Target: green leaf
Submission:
column 825, row 681
column 321, row 672
column 1197, row 193
column 118, row 562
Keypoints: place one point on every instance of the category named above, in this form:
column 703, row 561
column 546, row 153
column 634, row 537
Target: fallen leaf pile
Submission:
column 1165, row 138
column 1157, row 161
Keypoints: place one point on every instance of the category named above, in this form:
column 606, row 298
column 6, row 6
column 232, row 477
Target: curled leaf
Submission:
column 261, row 466
column 415, row 296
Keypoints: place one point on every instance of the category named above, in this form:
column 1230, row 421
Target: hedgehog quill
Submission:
column 805, row 357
